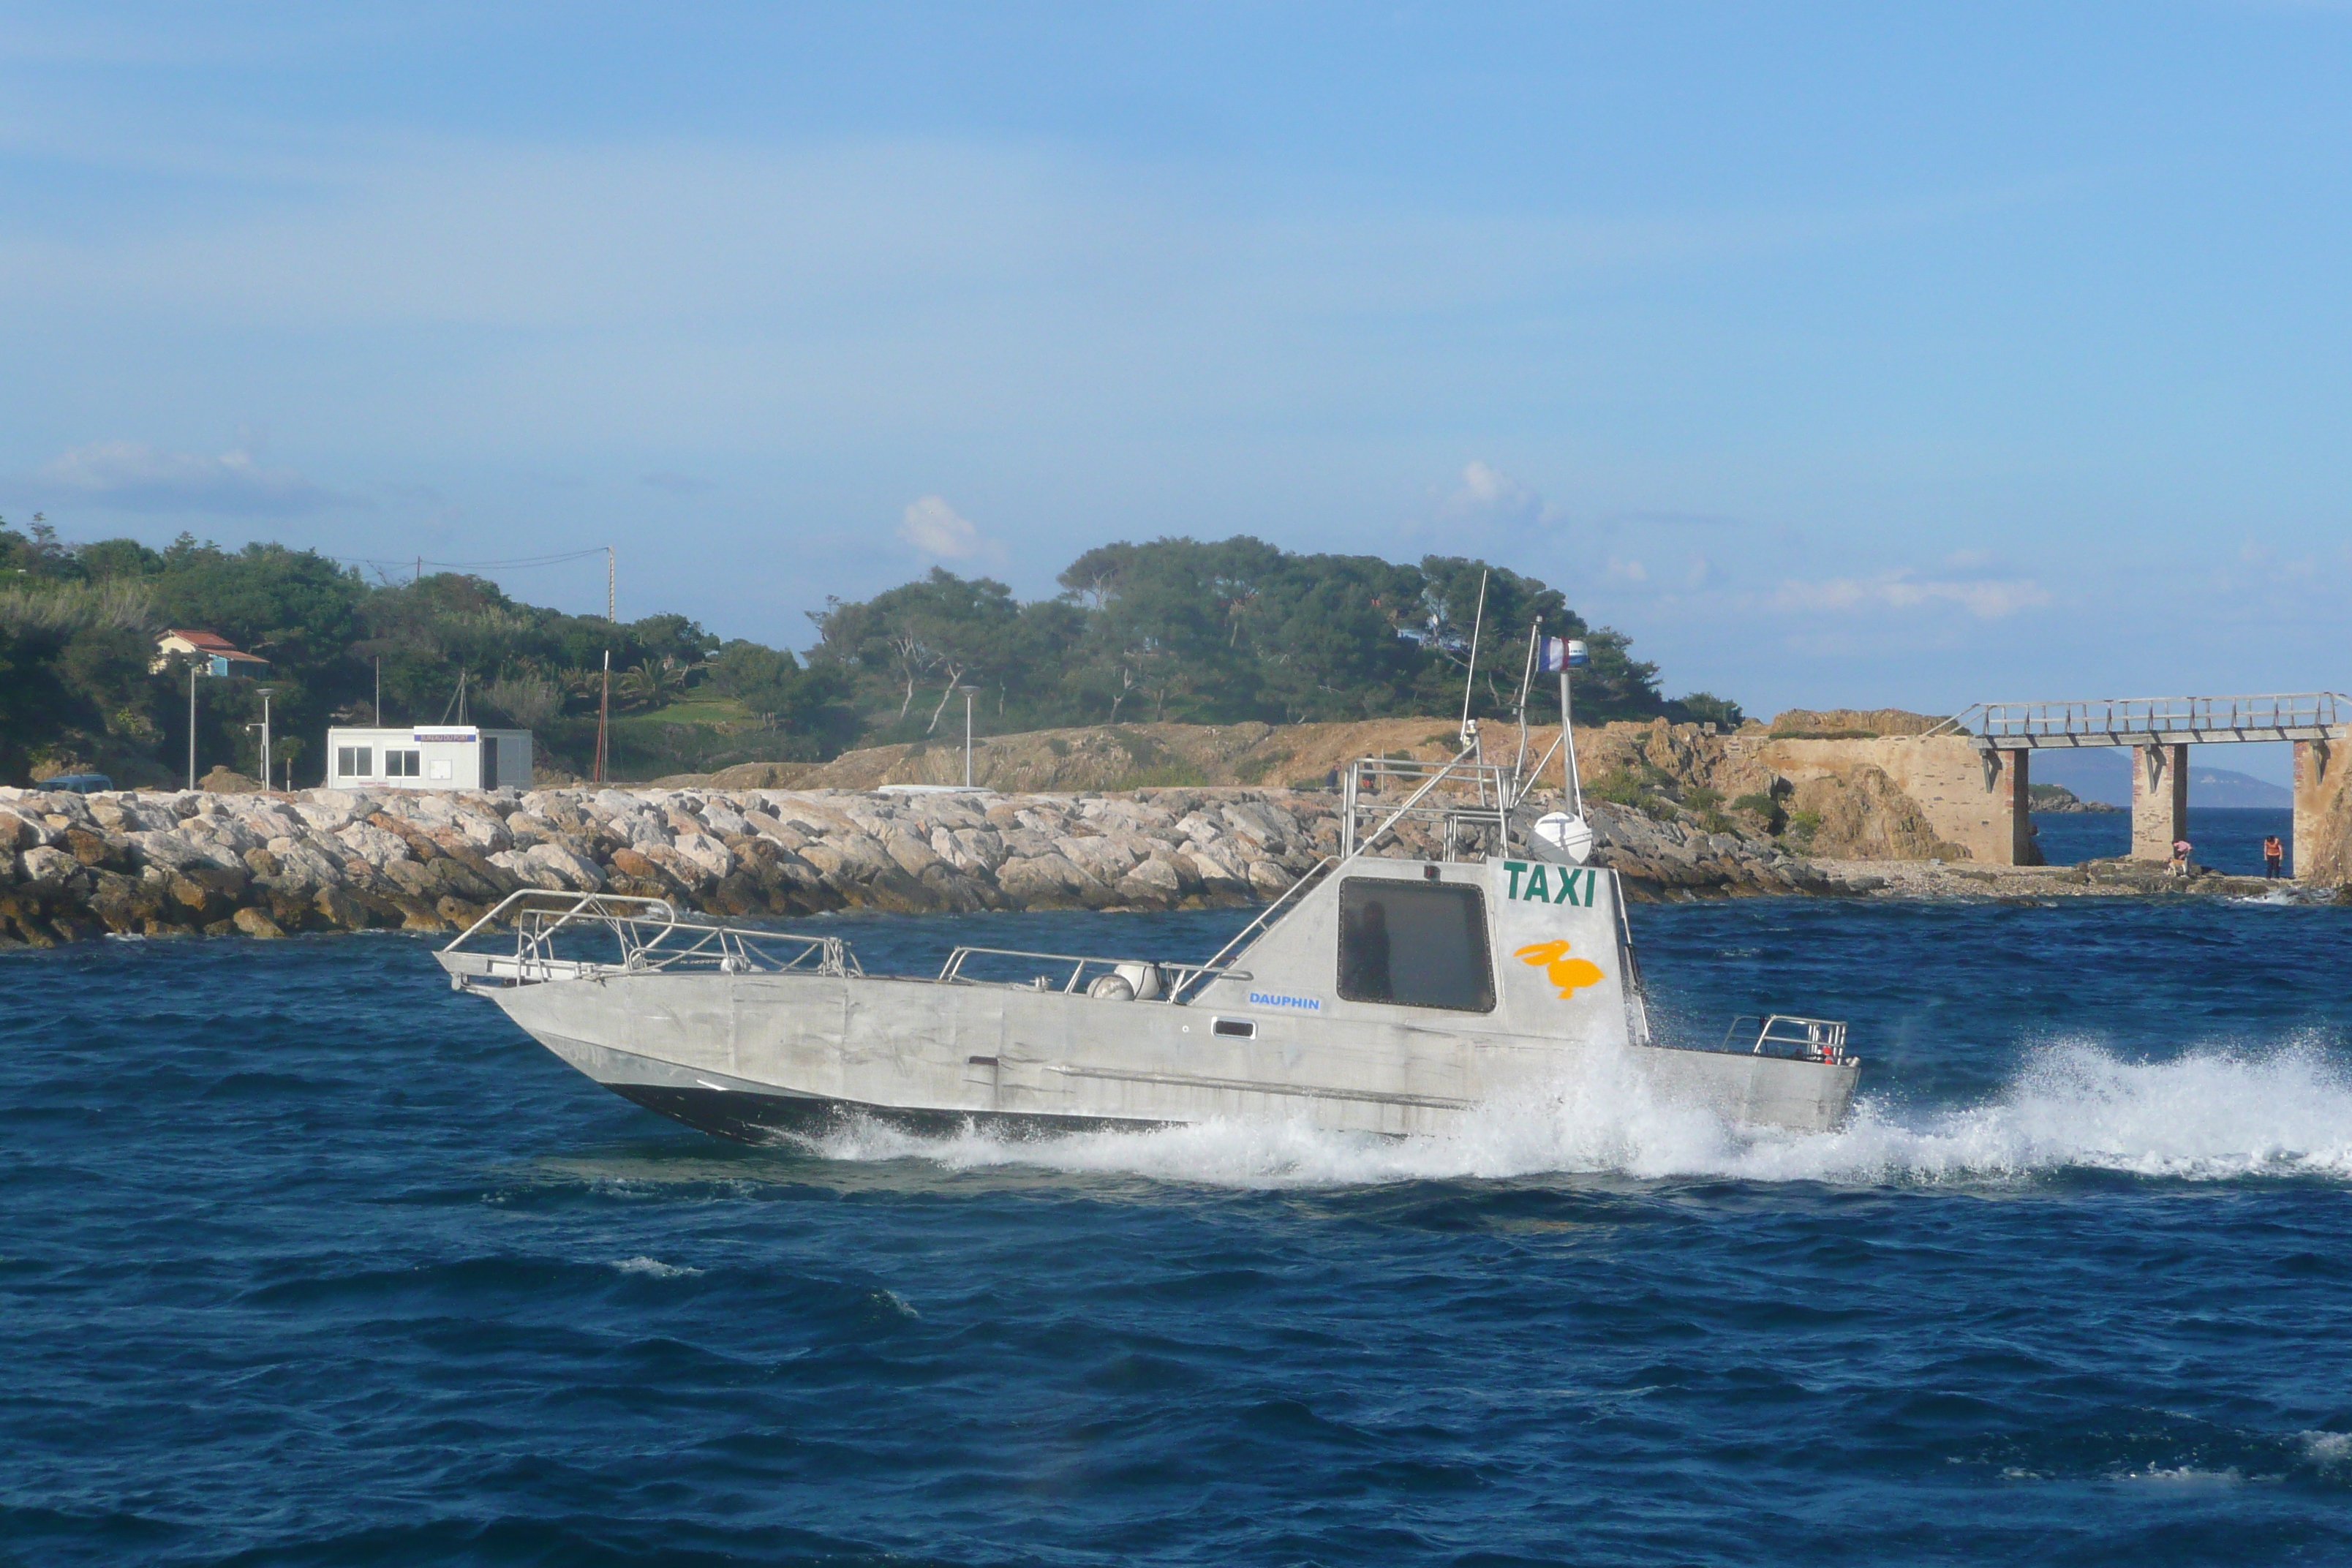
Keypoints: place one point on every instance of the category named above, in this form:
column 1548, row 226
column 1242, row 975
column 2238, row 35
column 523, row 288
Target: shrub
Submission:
column 1705, row 708
column 1763, row 806
column 1617, row 789
column 1142, row 750
column 1253, row 770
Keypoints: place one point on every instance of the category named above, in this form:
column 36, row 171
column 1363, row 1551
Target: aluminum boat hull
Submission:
column 749, row 1057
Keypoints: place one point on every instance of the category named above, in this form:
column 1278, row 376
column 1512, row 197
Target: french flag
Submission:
column 1559, row 655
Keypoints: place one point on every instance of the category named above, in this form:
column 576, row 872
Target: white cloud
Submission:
column 1989, row 599
column 1486, row 498
column 935, row 528
column 1485, row 485
column 134, row 477
column 1627, row 571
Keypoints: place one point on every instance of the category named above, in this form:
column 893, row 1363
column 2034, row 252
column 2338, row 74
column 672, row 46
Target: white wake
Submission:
column 2210, row 1115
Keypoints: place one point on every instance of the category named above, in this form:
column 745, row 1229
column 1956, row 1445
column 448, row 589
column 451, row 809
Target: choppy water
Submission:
column 304, row 1259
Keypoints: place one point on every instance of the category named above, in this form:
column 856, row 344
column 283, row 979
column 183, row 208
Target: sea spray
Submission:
column 2210, row 1115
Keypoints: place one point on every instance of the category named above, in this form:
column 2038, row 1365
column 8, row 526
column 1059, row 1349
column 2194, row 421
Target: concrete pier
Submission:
column 2318, row 800
column 2013, row 809
column 2160, row 800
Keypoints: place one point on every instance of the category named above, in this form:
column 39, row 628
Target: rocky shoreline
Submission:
column 265, row 865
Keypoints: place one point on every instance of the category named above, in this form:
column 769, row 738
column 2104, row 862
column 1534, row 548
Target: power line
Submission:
column 519, row 561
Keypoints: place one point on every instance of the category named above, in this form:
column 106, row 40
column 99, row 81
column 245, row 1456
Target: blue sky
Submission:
column 1869, row 354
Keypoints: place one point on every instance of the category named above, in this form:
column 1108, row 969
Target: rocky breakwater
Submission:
column 268, row 865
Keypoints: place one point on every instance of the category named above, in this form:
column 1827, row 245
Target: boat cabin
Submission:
column 1492, row 946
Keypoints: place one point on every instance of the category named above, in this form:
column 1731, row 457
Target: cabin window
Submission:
column 354, row 761
column 1416, row 945
column 1238, row 1028
column 402, row 764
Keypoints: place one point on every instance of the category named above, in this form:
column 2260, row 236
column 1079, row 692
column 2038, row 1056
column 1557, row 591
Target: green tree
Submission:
column 941, row 629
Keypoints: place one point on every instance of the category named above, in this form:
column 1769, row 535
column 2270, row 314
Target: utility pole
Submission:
column 191, row 723
column 968, row 692
column 612, row 601
column 265, row 737
column 379, row 692
column 604, row 709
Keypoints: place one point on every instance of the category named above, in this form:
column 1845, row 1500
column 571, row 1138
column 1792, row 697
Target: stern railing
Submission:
column 1788, row 1034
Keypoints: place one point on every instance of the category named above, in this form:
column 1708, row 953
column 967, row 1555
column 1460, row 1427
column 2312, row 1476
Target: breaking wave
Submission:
column 2211, row 1115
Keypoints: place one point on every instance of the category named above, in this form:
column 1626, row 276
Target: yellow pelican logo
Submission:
column 1568, row 973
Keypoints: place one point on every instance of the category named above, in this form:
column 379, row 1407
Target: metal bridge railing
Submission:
column 2122, row 721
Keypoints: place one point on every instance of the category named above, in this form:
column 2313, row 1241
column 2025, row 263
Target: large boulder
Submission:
column 1865, row 816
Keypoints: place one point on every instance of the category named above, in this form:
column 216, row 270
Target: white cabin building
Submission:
column 429, row 756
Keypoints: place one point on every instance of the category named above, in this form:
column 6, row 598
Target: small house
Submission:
column 209, row 651
column 429, row 756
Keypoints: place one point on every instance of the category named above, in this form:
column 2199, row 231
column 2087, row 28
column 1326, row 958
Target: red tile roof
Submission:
column 213, row 643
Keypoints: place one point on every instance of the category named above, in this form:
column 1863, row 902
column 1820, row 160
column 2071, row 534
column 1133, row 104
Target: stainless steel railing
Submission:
column 648, row 937
column 1787, row 1035
column 1173, row 979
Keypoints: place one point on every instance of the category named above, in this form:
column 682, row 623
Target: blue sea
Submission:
column 304, row 1260
column 2226, row 839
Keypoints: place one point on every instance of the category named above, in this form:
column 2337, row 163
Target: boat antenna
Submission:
column 1567, row 732
column 1527, row 676
column 1470, row 670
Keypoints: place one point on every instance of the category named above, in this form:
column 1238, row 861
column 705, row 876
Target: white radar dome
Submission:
column 1571, row 835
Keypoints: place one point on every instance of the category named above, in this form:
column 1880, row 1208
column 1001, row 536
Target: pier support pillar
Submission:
column 2315, row 782
column 2010, row 773
column 2160, row 800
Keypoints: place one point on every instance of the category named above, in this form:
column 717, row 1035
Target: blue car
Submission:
column 77, row 783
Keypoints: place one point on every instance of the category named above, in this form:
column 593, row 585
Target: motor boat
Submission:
column 1458, row 948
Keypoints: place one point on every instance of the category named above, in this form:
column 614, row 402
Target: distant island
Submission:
column 2103, row 774
column 2058, row 797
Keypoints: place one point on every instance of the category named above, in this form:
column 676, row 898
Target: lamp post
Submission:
column 969, row 693
column 265, row 690
column 194, row 666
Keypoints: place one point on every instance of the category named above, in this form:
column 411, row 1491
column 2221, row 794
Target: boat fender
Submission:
column 1111, row 988
column 1142, row 978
